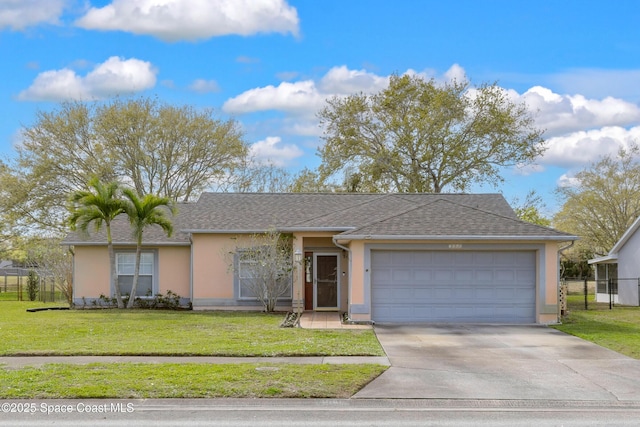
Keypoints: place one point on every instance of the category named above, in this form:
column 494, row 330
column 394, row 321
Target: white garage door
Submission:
column 448, row 286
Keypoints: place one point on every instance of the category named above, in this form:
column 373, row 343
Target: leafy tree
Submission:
column 172, row 151
column 265, row 265
column 175, row 152
column 418, row 136
column 98, row 206
column 309, row 181
column 145, row 212
column 604, row 202
column 253, row 177
column 530, row 209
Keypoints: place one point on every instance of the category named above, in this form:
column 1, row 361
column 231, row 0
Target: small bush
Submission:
column 33, row 282
column 170, row 301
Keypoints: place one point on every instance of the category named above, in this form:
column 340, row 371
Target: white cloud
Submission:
column 559, row 114
column 568, row 180
column 297, row 98
column 306, row 97
column 115, row 76
column 204, row 86
column 270, row 150
column 455, row 72
column 342, row 81
column 20, row 14
column 599, row 83
column 579, row 149
column 173, row 20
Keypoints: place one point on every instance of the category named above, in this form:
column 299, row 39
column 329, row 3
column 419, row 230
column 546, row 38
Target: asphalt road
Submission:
column 327, row 412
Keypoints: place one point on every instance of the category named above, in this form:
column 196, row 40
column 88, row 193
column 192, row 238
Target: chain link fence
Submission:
column 14, row 286
column 586, row 294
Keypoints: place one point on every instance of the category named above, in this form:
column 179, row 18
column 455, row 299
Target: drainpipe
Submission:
column 344, row 248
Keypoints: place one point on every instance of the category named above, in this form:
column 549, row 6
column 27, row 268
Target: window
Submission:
column 249, row 272
column 125, row 268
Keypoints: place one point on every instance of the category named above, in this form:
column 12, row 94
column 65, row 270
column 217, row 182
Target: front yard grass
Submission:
column 617, row 329
column 177, row 333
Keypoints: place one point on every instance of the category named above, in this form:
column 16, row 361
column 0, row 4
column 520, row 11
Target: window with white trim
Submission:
column 125, row 268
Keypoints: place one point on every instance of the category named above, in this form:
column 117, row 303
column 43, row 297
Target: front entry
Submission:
column 325, row 281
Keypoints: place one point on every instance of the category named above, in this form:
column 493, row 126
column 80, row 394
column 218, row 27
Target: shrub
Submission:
column 33, row 283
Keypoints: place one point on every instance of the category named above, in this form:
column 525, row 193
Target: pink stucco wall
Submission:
column 174, row 270
column 212, row 275
column 91, row 272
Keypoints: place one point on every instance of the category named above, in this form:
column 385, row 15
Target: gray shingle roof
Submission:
column 121, row 232
column 351, row 215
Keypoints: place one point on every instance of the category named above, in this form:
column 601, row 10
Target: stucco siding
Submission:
column 174, row 270
column 91, row 272
column 212, row 276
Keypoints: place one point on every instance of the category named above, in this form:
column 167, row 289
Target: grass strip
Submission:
column 146, row 381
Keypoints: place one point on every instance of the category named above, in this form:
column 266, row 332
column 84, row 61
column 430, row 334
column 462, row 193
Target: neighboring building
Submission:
column 618, row 273
column 378, row 257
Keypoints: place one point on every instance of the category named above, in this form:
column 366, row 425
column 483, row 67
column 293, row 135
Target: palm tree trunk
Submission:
column 114, row 273
column 136, row 275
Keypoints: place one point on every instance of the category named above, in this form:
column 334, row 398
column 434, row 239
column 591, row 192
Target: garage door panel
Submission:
column 463, row 275
column 474, row 286
column 401, row 275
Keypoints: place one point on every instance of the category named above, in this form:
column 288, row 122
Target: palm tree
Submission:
column 100, row 204
column 143, row 213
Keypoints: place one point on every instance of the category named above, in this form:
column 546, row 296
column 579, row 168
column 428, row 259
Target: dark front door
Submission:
column 326, row 281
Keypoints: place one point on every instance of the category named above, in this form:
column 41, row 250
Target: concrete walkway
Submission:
column 326, row 320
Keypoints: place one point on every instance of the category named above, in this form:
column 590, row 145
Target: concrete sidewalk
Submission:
column 16, row 362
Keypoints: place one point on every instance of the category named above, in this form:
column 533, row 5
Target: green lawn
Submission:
column 181, row 333
column 156, row 332
column 145, row 381
column 617, row 329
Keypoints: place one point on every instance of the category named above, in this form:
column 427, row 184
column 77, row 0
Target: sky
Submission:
column 271, row 64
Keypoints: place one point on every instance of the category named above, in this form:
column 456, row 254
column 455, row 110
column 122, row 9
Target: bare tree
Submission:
column 264, row 267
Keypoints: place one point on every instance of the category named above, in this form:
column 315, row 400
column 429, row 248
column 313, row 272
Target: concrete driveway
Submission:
column 499, row 362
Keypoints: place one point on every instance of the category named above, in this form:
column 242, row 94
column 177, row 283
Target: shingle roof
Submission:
column 121, row 232
column 350, row 215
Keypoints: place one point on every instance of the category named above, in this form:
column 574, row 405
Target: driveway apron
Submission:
column 499, row 362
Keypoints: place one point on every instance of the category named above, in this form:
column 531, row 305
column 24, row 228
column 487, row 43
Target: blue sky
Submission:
column 270, row 64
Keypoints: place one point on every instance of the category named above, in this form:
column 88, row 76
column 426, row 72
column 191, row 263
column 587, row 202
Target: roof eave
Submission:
column 264, row 230
column 87, row 243
column 626, row 236
column 455, row 237
column 609, row 259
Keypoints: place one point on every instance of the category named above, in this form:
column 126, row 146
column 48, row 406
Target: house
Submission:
column 618, row 273
column 378, row 257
